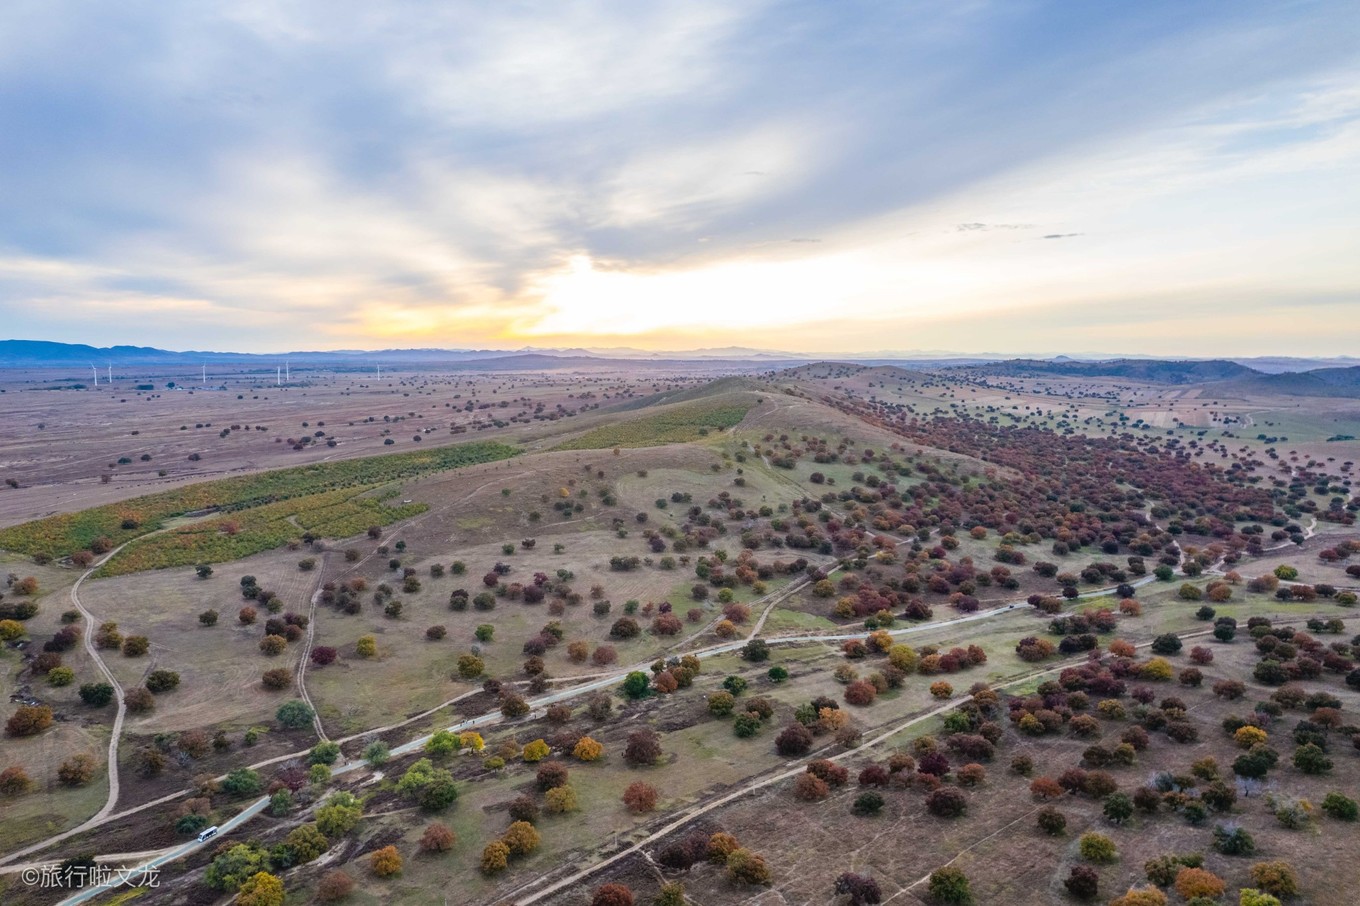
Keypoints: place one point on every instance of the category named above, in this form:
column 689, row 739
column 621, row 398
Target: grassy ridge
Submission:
column 119, row 522
column 679, row 425
column 332, row 514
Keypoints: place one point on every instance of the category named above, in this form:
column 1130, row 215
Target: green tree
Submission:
column 1118, row 808
column 324, row 753
column 1096, row 848
column 236, row 866
column 442, row 744
column 339, row 815
column 1310, row 759
column 636, row 684
column 96, row 695
column 242, row 782
column 295, row 714
column 949, row 886
column 306, row 843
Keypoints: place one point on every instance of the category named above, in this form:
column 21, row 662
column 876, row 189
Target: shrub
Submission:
column 640, row 797
column 949, row 886
column 860, row 889
column 1252, row 897
column 1083, row 883
column 242, row 782
column 1310, row 759
column 720, row 846
column 1051, row 821
column 867, row 804
column 522, row 838
column 612, row 895
column 295, row 715
column 1096, row 848
column 437, row 838
column 14, row 781
column 946, row 802
column 746, row 725
column 810, row 788
column 261, row 889
column 795, row 739
column 561, row 800
column 720, row 704
column 1197, row 882
column 1232, row 840
column 1141, row 896
column 159, row 681
column 860, row 693
column 495, row 857
column 1341, row 807
column 29, row 720
column 61, row 676
column 278, row 678
column 1118, row 808
column 643, row 748
column 77, row 770
column 746, row 867
column 1275, row 878
column 587, row 749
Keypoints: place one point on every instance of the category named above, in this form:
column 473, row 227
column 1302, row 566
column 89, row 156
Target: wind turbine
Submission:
column 205, row 374
column 96, row 374
column 110, row 374
column 278, row 376
column 287, row 375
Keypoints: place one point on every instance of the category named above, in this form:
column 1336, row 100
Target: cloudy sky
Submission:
column 1021, row 177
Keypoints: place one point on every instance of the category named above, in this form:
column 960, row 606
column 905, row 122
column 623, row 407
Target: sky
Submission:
column 1020, row 177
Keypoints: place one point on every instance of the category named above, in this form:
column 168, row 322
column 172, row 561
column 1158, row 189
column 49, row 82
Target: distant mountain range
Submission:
column 1154, row 370
column 1223, row 373
column 1336, row 377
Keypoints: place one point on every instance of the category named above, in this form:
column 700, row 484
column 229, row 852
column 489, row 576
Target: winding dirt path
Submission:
column 88, row 638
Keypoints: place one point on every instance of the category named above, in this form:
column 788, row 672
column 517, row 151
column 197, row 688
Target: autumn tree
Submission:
column 386, row 862
column 29, row 720
column 77, row 770
column 643, row 747
column 14, row 781
column 261, row 889
column 335, row 885
column 612, row 895
column 522, row 838
column 640, row 797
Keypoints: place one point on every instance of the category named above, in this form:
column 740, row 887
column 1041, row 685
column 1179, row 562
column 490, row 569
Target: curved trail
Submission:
column 307, row 649
column 117, row 732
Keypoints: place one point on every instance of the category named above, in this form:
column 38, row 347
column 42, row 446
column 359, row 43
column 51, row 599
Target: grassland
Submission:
column 679, row 425
column 118, row 523
column 333, row 514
